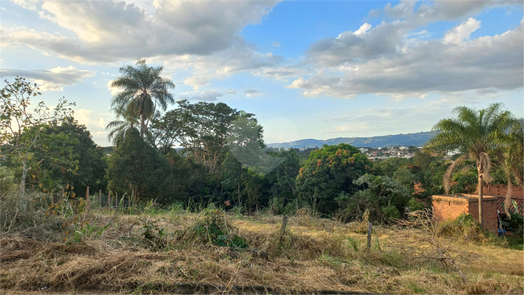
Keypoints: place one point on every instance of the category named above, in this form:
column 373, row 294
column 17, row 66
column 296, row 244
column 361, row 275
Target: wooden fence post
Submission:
column 370, row 228
column 87, row 199
column 283, row 227
column 109, row 199
column 100, row 197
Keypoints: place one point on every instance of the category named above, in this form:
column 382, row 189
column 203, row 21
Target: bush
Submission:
column 213, row 227
column 35, row 214
column 516, row 225
column 415, row 205
column 464, row 226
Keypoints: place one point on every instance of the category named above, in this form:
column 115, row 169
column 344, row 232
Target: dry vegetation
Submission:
column 175, row 251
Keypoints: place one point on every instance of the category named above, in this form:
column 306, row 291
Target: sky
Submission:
column 307, row 69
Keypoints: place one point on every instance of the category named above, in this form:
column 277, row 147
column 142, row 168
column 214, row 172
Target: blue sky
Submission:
column 307, row 69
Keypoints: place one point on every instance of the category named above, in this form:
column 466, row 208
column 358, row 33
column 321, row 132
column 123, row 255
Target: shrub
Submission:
column 464, row 226
column 213, row 227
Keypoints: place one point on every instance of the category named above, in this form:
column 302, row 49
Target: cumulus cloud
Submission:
column 436, row 10
column 210, row 95
column 107, row 31
column 364, row 43
column 416, row 67
column 461, row 32
column 50, row 80
column 201, row 69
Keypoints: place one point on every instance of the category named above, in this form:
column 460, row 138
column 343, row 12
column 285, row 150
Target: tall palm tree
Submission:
column 513, row 157
column 476, row 134
column 143, row 89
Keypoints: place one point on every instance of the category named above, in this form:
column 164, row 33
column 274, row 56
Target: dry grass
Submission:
column 313, row 255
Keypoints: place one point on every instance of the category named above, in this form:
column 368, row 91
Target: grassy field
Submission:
column 163, row 251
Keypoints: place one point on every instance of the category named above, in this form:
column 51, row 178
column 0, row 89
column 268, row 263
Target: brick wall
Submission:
column 489, row 213
column 501, row 190
column 447, row 207
column 452, row 206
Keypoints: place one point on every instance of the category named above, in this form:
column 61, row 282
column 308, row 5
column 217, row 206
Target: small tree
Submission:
column 16, row 117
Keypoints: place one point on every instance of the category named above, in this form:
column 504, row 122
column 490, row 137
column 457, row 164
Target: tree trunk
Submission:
column 481, row 188
column 142, row 125
column 24, row 176
column 22, row 184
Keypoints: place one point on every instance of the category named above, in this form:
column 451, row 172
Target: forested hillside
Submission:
column 411, row 139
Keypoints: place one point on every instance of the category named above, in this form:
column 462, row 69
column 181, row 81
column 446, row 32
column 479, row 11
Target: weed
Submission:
column 85, row 231
column 154, row 234
column 213, row 227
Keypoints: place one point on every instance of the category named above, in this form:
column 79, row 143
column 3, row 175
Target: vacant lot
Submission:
column 180, row 252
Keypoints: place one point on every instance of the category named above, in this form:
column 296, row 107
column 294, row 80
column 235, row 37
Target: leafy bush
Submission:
column 154, row 234
column 415, row 205
column 213, row 227
column 390, row 212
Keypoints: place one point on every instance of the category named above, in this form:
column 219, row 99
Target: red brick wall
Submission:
column 446, row 207
column 501, row 190
column 451, row 207
column 489, row 213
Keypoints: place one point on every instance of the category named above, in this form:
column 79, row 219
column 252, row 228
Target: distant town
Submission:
column 380, row 153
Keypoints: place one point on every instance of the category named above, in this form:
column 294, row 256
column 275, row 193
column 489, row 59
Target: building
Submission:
column 452, row 206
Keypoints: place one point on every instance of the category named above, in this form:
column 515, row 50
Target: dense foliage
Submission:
column 210, row 154
column 327, row 173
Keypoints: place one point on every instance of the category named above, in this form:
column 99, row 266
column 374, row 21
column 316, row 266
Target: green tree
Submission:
column 246, row 145
column 136, row 168
column 282, row 181
column 328, row 172
column 384, row 197
column 476, row 134
column 68, row 156
column 16, row 117
column 201, row 129
column 389, row 166
column 143, row 89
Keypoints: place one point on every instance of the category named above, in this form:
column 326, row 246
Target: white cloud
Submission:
column 275, row 44
column 230, row 91
column 27, row 4
column 50, row 80
column 412, row 67
column 437, row 10
column 461, row 32
column 210, row 95
column 107, row 31
column 114, row 90
column 365, row 43
column 96, row 124
column 362, row 30
column 201, row 69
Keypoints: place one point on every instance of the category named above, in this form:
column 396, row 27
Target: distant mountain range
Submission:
column 410, row 139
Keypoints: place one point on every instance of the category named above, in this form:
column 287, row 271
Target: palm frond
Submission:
column 449, row 172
